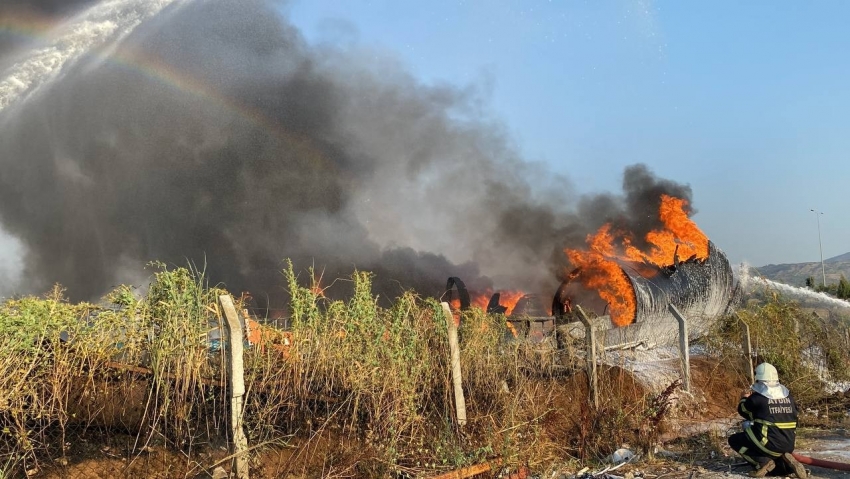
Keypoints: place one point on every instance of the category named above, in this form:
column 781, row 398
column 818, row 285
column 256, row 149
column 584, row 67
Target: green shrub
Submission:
column 805, row 349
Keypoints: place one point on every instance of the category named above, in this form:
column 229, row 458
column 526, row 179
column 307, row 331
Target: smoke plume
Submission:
column 214, row 133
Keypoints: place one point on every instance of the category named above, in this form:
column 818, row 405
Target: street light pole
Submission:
column 820, row 245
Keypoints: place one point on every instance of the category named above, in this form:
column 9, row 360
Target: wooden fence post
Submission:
column 684, row 352
column 748, row 349
column 236, row 371
column 457, row 379
column 590, row 339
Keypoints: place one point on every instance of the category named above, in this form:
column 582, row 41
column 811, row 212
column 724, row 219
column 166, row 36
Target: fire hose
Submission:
column 841, row 466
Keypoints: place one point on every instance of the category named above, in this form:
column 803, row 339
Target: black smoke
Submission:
column 214, row 133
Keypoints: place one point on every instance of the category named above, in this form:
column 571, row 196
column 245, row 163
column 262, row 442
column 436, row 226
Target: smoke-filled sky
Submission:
column 744, row 101
column 239, row 133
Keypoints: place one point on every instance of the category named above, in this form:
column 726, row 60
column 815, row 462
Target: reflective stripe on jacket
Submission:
column 774, row 422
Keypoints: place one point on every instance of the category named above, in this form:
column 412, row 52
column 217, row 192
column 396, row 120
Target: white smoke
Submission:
column 11, row 252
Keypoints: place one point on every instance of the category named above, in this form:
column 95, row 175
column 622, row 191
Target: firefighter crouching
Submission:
column 769, row 428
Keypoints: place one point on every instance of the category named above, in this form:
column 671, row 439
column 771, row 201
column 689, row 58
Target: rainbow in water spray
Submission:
column 82, row 34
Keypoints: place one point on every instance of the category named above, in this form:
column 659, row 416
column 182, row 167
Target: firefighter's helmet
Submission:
column 766, row 372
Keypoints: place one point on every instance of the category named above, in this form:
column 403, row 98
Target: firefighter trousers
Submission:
column 743, row 445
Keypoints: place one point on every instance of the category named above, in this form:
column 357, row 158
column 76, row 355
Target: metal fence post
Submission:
column 683, row 347
column 236, row 371
column 590, row 338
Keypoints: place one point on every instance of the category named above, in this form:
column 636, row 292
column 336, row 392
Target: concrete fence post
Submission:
column 683, row 347
column 747, row 345
column 457, row 379
column 590, row 339
column 234, row 338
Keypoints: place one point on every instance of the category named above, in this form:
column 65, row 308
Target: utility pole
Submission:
column 820, row 244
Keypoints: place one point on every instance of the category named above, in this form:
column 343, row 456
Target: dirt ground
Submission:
column 693, row 445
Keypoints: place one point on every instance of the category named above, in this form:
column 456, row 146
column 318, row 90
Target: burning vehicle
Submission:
column 627, row 291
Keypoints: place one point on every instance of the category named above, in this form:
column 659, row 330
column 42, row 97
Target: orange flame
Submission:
column 480, row 300
column 601, row 272
column 508, row 299
column 679, row 230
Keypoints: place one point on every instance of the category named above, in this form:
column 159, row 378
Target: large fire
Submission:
column 599, row 265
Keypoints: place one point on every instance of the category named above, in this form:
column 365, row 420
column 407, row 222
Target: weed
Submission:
column 357, row 369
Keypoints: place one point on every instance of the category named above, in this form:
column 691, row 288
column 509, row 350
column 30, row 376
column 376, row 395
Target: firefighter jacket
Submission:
column 772, row 422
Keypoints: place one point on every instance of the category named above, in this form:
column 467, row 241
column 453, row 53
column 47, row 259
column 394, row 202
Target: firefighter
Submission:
column 769, row 428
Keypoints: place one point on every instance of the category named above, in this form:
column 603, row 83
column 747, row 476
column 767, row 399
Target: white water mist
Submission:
column 76, row 37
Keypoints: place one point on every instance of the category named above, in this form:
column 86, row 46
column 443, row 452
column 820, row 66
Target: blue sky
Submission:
column 747, row 102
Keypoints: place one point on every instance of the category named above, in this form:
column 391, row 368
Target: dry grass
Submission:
column 806, row 350
column 352, row 390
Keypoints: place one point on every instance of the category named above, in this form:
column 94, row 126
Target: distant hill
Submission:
column 795, row 274
column 842, row 258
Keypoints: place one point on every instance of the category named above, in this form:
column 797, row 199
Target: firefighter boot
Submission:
column 763, row 469
column 795, row 465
